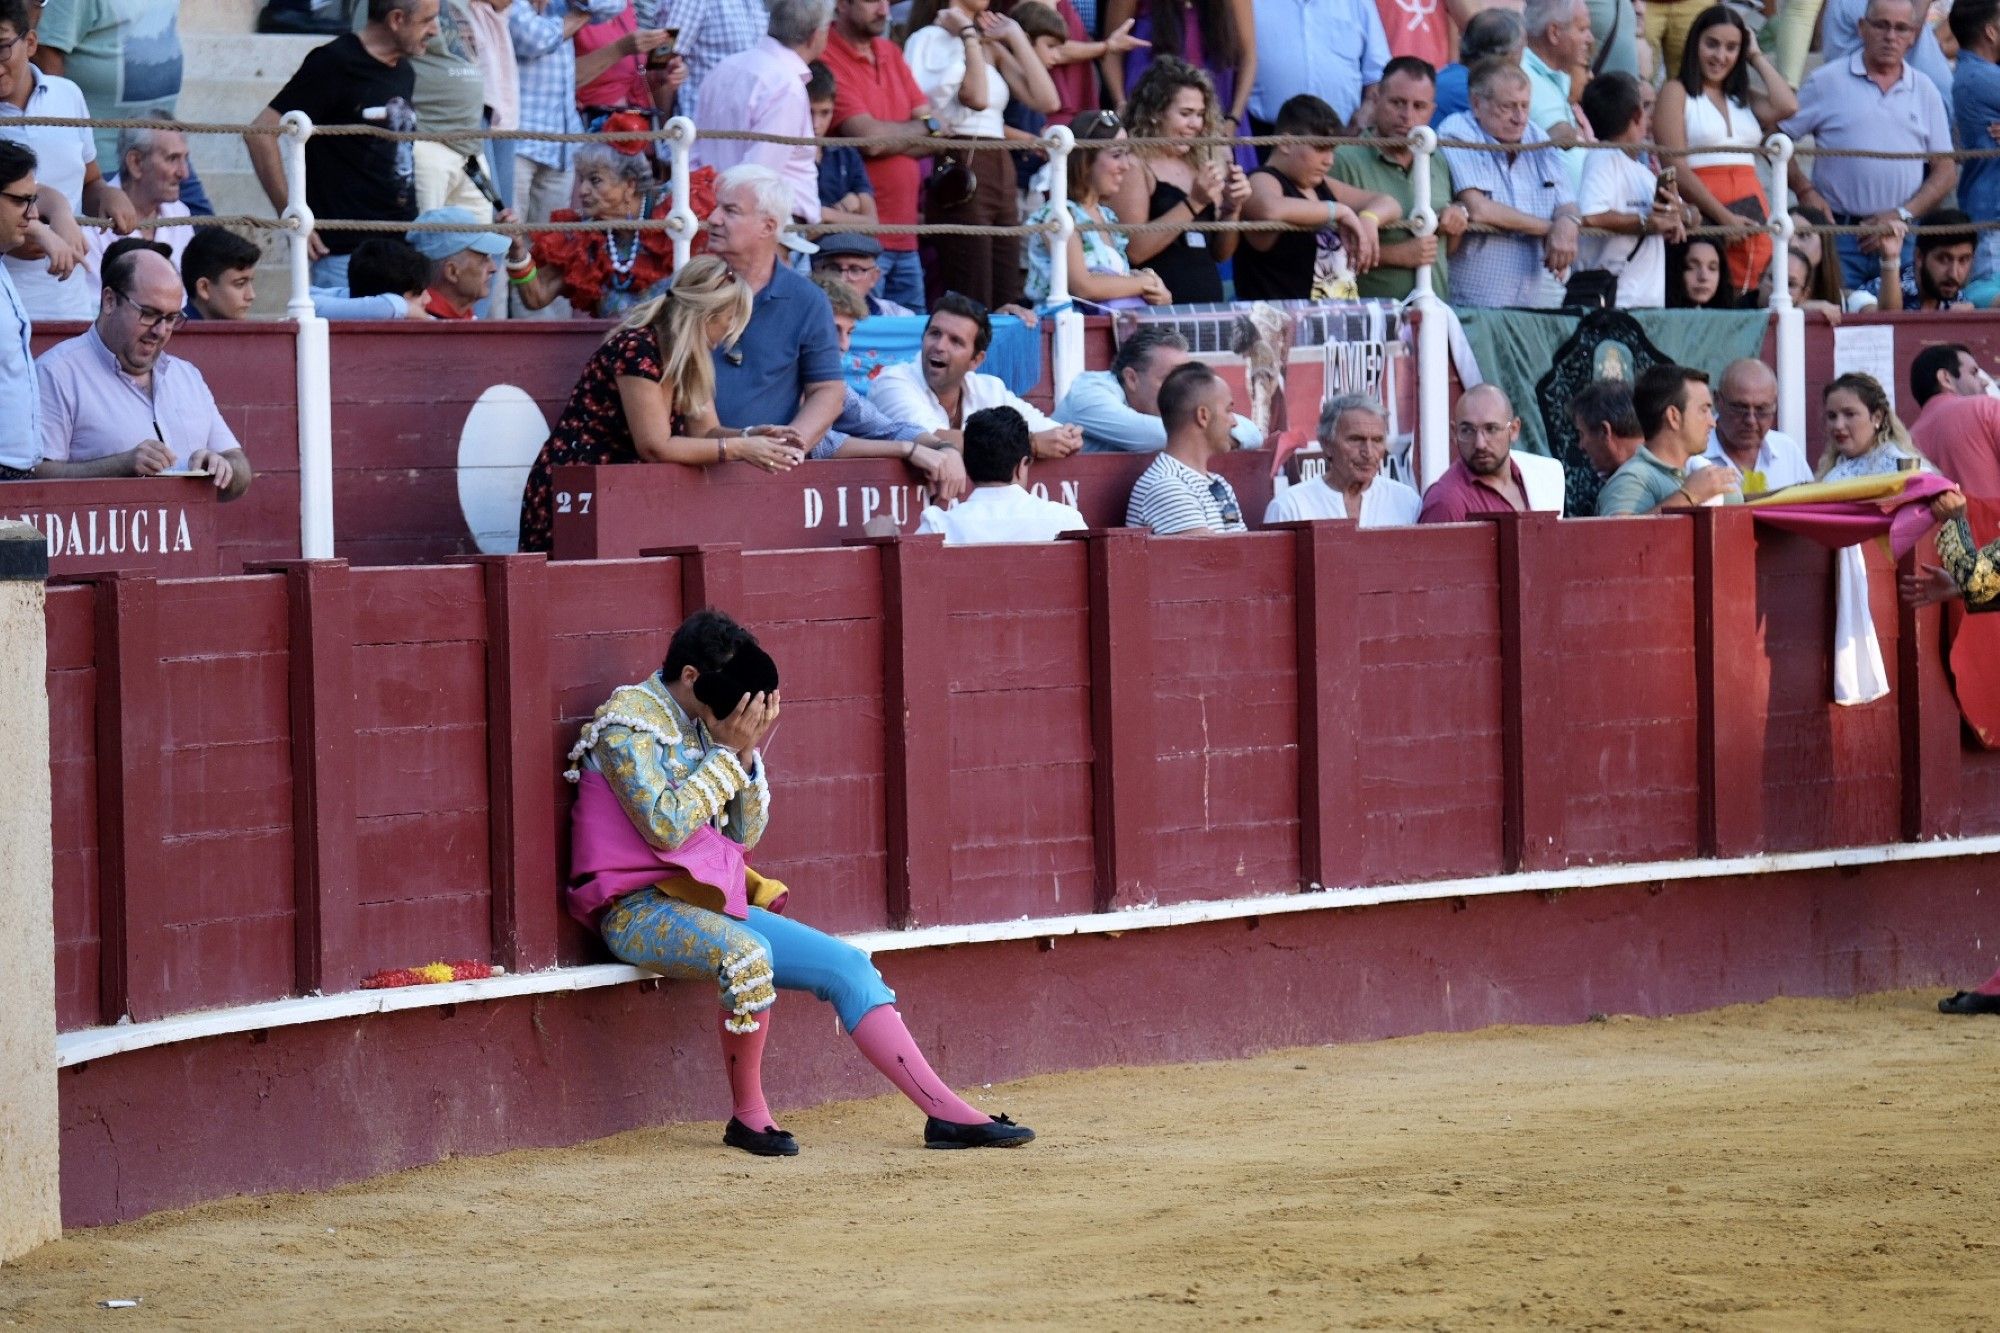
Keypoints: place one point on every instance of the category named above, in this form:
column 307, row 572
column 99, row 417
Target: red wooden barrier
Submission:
column 252, row 370
column 610, row 513
column 166, row 526
column 278, row 782
column 1914, row 331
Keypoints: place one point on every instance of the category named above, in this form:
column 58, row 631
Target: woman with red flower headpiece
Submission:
column 606, row 273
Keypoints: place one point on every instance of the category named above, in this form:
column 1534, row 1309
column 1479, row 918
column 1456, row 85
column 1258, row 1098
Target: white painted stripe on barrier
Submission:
column 79, row 1047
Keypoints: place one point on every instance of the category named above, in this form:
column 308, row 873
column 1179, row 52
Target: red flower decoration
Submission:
column 430, row 974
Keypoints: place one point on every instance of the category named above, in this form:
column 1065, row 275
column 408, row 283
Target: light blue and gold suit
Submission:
column 672, row 779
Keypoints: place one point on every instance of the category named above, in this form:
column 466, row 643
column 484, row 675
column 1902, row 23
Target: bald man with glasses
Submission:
column 1746, row 410
column 114, row 404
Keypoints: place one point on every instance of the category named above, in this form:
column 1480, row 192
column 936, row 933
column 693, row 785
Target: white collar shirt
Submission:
column 1386, row 503
column 1001, row 514
column 1779, row 458
column 901, row 393
column 99, row 239
column 62, row 160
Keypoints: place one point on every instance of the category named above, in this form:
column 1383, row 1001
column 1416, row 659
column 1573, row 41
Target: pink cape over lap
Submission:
column 610, row 858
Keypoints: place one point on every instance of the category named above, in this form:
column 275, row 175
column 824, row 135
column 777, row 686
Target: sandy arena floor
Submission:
column 1799, row 1164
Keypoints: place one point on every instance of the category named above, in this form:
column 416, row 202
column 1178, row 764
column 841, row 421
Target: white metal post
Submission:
column 1790, row 321
column 1066, row 356
column 314, row 353
column 298, row 128
column 682, row 224
column 1433, row 341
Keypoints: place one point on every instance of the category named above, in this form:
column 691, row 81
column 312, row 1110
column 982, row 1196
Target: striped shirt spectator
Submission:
column 1170, row 497
column 1178, row 494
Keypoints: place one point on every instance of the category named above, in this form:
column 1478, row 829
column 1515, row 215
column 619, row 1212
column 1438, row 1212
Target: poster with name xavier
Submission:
column 1285, row 359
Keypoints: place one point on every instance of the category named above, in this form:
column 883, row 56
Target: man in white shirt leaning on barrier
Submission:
column 1000, row 507
column 942, row 387
column 1354, row 434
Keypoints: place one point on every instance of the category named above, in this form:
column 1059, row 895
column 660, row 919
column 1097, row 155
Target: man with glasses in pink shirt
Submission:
column 114, row 404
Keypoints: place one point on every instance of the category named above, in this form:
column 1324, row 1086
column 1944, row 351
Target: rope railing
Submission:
column 1400, row 226
column 955, row 145
column 935, row 142
column 667, row 135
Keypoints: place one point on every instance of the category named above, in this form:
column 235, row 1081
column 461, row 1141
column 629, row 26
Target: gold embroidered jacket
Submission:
column 668, row 773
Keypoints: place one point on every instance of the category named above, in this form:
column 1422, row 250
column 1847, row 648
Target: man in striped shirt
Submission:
column 1178, row 495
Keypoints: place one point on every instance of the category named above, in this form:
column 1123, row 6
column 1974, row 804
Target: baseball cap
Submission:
column 436, row 245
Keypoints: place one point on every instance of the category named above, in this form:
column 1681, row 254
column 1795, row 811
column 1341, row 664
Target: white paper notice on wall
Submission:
column 1871, row 350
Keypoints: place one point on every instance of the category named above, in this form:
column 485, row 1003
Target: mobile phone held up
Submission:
column 662, row 55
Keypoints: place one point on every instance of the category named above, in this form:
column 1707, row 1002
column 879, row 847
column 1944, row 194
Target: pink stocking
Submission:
column 890, row 1048
column 743, row 1057
column 1990, row 986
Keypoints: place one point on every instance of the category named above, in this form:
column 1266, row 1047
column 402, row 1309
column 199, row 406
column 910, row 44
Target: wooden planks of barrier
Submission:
column 609, row 513
column 273, row 783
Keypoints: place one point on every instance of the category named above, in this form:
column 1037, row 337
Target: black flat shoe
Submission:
column 999, row 1132
column 767, row 1142
column 1969, row 1002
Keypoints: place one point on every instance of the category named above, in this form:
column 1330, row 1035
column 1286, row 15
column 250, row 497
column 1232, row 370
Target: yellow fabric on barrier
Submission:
column 1883, row 487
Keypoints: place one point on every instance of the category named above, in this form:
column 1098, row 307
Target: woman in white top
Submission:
column 1621, row 195
column 1864, row 437
column 1712, row 105
column 969, row 61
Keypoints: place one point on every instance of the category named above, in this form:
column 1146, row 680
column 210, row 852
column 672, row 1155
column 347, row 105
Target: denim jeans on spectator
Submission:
column 902, row 279
column 500, row 153
column 1858, row 270
column 1986, row 256
column 1984, row 288
column 330, row 271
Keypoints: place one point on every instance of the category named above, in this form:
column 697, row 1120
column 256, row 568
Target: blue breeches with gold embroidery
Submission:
column 746, row 958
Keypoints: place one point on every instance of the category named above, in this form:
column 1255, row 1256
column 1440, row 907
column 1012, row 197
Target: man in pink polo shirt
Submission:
column 1959, row 426
column 1485, row 479
column 875, row 94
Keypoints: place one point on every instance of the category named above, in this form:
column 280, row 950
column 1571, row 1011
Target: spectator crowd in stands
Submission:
column 1558, row 102
column 1530, row 83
